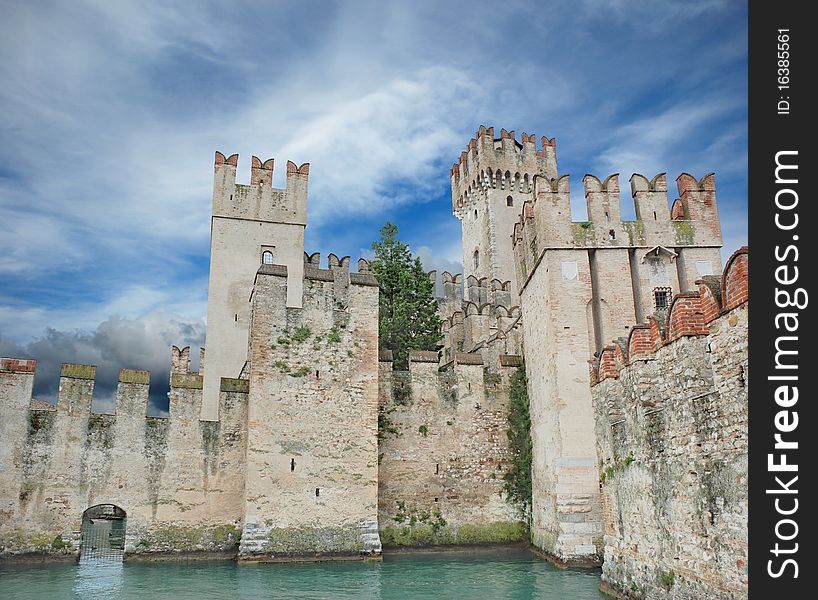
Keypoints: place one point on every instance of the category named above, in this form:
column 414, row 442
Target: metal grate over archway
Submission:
column 103, row 534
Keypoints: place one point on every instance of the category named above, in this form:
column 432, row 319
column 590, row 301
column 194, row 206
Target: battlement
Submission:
column 500, row 163
column 545, row 222
column 690, row 314
column 259, row 200
column 77, row 383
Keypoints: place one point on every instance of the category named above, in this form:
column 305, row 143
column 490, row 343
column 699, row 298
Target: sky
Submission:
column 110, row 114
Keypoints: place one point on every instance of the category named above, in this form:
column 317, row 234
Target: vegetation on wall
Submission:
column 518, row 476
column 408, row 318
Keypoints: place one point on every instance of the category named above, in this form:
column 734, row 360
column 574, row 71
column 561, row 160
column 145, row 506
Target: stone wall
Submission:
column 179, row 480
column 443, row 453
column 671, row 422
column 312, row 455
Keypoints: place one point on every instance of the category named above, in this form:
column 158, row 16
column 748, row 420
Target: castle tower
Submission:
column 583, row 284
column 490, row 183
column 312, row 433
column 251, row 225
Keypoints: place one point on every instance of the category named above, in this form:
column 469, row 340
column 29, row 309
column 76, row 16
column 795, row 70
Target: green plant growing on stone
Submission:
column 667, row 579
column 301, row 333
column 283, row 341
column 423, row 430
column 517, row 478
column 60, row 544
column 333, row 337
column 637, row 589
column 408, row 318
column 385, row 425
column 282, row 366
column 302, row 371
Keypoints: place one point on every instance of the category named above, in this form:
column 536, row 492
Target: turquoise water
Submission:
column 517, row 575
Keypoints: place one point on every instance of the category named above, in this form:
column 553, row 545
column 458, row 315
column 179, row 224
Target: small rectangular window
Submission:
column 661, row 297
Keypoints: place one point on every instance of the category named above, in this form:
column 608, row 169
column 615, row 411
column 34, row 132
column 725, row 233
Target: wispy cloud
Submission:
column 110, row 114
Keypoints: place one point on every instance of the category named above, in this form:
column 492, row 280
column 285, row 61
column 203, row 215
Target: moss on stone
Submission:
column 684, row 231
column 635, row 231
column 312, row 540
column 582, row 232
column 466, row 534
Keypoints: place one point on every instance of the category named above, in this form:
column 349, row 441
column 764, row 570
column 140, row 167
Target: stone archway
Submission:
column 103, row 533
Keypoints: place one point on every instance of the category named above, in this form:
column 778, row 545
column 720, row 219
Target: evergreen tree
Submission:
column 408, row 309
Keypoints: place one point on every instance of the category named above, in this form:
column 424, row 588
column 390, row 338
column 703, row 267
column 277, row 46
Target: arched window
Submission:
column 509, row 201
column 266, row 257
column 475, row 213
column 476, row 258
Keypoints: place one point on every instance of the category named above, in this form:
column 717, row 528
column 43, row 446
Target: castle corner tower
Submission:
column 490, row 182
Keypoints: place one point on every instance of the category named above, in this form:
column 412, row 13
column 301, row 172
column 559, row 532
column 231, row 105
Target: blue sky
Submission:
column 110, row 113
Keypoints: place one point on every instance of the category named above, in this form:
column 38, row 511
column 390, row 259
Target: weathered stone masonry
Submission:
column 312, row 455
column 671, row 429
column 180, row 479
column 444, row 451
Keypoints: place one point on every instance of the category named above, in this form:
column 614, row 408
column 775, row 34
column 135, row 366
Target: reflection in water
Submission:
column 437, row 575
column 100, row 579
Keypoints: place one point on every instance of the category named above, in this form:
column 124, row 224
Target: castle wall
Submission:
column 312, row 477
column 671, row 423
column 443, row 454
column 179, row 479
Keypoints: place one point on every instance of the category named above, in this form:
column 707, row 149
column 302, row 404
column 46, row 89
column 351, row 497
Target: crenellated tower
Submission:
column 251, row 225
column 490, row 182
column 581, row 285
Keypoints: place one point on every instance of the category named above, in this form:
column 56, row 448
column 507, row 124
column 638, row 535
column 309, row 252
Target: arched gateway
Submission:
column 103, row 533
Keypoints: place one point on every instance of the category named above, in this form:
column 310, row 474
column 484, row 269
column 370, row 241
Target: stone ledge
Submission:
column 229, row 384
column 190, row 381
column 511, row 360
column 132, row 376
column 78, row 371
column 423, row 356
column 467, row 358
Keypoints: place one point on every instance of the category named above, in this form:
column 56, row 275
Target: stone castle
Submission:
column 297, row 440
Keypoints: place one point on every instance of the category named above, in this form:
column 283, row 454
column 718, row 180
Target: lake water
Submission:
column 441, row 575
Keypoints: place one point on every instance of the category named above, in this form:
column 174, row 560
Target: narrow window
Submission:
column 509, row 201
column 292, row 464
column 435, row 499
column 317, row 492
column 267, row 257
column 654, row 215
column 607, row 218
column 661, row 297
column 611, row 235
column 437, row 469
column 236, row 317
column 475, row 213
column 231, row 197
column 476, row 259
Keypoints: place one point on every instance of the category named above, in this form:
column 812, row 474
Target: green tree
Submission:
column 518, row 477
column 408, row 309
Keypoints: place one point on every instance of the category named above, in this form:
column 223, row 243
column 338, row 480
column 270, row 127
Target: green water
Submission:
column 505, row 574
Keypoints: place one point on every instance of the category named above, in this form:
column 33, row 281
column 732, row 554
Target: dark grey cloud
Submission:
column 142, row 343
